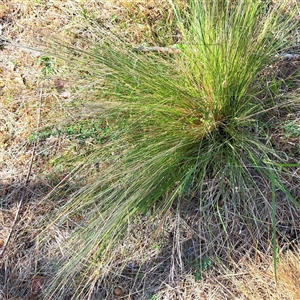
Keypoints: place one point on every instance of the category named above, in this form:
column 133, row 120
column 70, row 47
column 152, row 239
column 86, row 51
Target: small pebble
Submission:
column 118, row 291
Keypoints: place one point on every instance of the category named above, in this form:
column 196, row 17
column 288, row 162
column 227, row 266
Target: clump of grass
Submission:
column 188, row 123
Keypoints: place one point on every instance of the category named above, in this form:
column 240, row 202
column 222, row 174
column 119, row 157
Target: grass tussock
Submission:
column 195, row 124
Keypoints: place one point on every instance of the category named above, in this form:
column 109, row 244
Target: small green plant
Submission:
column 48, row 65
column 201, row 265
column 83, row 130
column 45, row 133
column 191, row 122
column 154, row 297
column 291, row 129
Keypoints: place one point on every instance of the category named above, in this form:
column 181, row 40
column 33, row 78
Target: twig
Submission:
column 26, row 181
column 174, row 50
column 168, row 50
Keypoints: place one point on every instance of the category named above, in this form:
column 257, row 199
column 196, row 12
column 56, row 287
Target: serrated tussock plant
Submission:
column 189, row 121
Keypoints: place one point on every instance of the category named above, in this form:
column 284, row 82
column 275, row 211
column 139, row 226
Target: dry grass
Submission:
column 26, row 93
column 256, row 281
